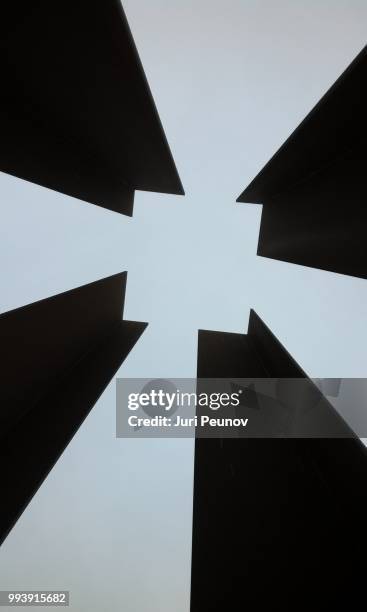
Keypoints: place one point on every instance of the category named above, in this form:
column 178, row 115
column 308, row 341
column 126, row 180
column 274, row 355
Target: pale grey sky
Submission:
column 231, row 80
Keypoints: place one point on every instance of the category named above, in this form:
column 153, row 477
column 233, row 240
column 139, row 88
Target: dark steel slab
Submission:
column 57, row 357
column 76, row 110
column 313, row 190
column 278, row 524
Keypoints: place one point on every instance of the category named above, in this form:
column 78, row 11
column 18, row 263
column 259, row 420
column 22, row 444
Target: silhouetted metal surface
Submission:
column 76, row 110
column 314, row 189
column 57, row 356
column 278, row 524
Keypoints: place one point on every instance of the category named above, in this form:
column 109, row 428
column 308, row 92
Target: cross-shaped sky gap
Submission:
column 229, row 92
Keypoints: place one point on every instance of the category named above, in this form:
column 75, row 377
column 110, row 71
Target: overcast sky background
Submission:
column 231, row 80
